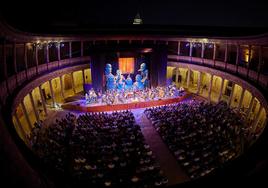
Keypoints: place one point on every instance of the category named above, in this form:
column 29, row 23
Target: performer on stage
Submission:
column 128, row 83
column 110, row 79
column 120, row 80
column 138, row 84
column 144, row 75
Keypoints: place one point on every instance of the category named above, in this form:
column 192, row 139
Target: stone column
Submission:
column 210, row 87
column 241, row 98
column 47, row 54
column 199, row 82
column 15, row 61
column 177, row 76
column 83, row 76
column 23, row 133
column 70, row 49
column 231, row 95
column 25, row 60
column 191, row 49
column 226, row 56
column 84, row 79
column 52, row 93
column 221, row 89
column 82, row 49
column 58, row 53
column 260, row 63
column 237, row 57
column 257, row 119
column 43, row 100
column 26, row 116
column 202, row 51
column 72, row 79
column 34, row 107
column 214, row 54
column 179, row 48
column 188, row 77
column 36, row 59
column 249, row 57
column 61, row 87
column 250, row 107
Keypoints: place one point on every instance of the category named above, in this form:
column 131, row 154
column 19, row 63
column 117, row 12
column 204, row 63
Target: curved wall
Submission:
column 26, row 57
column 207, row 82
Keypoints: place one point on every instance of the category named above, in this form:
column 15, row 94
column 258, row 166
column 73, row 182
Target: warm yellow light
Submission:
column 126, row 65
column 246, row 55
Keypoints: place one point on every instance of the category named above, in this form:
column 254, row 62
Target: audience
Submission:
column 109, row 150
column 201, row 135
column 99, row 150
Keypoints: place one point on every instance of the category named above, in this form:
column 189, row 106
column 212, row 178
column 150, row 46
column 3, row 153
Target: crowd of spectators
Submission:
column 202, row 136
column 99, row 150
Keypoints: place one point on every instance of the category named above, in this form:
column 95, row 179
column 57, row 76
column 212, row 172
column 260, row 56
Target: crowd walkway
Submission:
column 164, row 157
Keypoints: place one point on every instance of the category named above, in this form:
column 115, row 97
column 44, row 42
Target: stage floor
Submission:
column 80, row 105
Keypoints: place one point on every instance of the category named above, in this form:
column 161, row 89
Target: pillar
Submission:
column 58, row 53
column 221, row 89
column 249, row 57
column 61, row 87
column 43, row 100
column 237, row 57
column 52, row 93
column 226, row 56
column 191, row 49
column 25, row 60
column 231, row 95
column 188, row 78
column 177, row 76
column 250, row 107
column 84, row 79
column 26, row 116
column 260, row 63
column 82, row 49
column 83, row 75
column 241, row 98
column 15, row 62
column 199, row 82
column 257, row 119
column 34, row 107
column 214, row 54
column 210, row 87
column 47, row 54
column 23, row 133
column 36, row 58
column 179, row 48
column 202, row 51
column 70, row 49
column 72, row 79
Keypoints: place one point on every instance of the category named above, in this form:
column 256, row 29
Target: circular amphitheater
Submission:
column 215, row 129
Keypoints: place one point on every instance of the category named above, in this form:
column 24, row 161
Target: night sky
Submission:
column 165, row 12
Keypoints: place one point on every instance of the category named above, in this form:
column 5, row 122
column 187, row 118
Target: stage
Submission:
column 81, row 106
